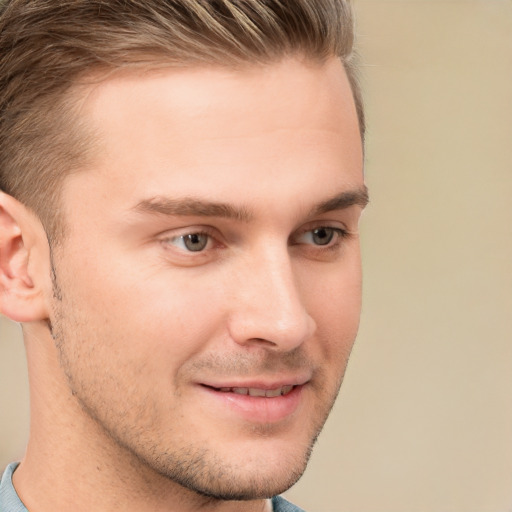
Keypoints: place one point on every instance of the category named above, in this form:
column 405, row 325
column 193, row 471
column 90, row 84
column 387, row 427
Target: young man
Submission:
column 181, row 187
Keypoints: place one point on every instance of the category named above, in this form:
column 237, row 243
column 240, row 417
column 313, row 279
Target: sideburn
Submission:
column 56, row 291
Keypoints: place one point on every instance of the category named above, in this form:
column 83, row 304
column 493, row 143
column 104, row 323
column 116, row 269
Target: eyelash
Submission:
column 338, row 236
column 199, row 233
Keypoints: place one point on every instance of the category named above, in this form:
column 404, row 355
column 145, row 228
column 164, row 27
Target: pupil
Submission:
column 323, row 236
column 195, row 242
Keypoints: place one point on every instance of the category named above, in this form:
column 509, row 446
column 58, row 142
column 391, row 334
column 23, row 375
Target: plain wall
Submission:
column 424, row 418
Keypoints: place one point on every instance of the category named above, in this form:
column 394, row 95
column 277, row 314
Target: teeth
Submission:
column 256, row 392
column 286, row 390
column 269, row 393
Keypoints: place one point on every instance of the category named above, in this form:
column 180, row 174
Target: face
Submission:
column 207, row 293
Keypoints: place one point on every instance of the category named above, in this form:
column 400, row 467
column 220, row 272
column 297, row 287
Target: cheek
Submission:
column 335, row 288
column 335, row 304
column 151, row 319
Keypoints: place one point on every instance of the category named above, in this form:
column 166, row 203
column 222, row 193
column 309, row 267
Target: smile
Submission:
column 254, row 402
column 267, row 393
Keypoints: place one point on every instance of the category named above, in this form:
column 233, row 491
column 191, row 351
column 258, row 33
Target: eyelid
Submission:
column 168, row 236
column 337, row 225
column 341, row 233
column 186, row 230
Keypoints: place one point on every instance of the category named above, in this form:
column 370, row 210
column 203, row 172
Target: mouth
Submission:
column 255, row 402
column 256, row 392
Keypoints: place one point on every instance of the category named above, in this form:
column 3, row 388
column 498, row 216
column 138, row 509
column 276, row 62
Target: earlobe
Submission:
column 21, row 296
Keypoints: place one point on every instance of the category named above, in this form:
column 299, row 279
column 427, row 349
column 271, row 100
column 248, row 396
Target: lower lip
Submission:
column 258, row 409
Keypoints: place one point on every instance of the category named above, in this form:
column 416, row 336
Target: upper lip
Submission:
column 264, row 384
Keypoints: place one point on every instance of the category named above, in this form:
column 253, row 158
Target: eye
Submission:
column 191, row 242
column 321, row 236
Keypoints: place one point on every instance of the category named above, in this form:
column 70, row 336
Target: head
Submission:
column 196, row 171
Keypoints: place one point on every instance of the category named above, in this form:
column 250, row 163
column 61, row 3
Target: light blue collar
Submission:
column 9, row 500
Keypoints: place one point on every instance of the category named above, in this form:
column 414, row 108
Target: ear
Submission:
column 22, row 240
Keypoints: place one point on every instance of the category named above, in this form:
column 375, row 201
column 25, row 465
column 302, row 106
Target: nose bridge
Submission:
column 269, row 306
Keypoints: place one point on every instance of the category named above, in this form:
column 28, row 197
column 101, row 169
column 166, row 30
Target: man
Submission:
column 181, row 187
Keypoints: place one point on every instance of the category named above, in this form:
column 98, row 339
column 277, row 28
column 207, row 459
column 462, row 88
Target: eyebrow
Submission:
column 194, row 207
column 357, row 197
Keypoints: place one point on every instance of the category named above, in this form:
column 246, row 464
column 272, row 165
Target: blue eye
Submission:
column 321, row 236
column 192, row 242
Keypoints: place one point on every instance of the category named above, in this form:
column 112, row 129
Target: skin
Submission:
column 125, row 408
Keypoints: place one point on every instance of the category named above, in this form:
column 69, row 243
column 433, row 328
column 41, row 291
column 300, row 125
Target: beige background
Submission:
column 424, row 420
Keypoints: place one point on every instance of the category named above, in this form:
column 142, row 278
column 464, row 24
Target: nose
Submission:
column 268, row 308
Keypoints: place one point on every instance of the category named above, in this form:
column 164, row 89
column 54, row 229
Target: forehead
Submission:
column 184, row 130
column 203, row 88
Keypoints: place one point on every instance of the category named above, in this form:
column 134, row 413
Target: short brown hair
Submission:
column 47, row 45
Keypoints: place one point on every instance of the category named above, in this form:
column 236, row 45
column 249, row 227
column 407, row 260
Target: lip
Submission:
column 256, row 409
column 266, row 384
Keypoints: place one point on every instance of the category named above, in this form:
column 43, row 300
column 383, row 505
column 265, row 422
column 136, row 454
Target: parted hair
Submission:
column 48, row 47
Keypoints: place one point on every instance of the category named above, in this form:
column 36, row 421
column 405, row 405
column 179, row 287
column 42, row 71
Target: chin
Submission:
column 245, row 485
column 258, row 476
